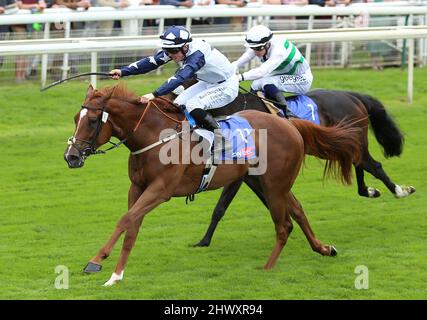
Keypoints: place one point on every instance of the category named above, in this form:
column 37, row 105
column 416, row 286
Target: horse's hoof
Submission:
column 115, row 278
column 403, row 191
column 373, row 193
column 334, row 251
column 202, row 243
column 92, row 268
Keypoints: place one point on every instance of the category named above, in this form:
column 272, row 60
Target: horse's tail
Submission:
column 339, row 144
column 385, row 129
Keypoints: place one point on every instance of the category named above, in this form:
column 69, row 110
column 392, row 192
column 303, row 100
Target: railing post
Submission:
column 410, row 69
column 65, row 65
column 308, row 47
column 45, row 58
column 93, row 67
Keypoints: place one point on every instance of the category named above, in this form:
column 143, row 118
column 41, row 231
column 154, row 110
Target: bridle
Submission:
column 90, row 148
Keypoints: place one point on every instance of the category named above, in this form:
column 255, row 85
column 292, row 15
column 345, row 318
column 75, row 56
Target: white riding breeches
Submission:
column 298, row 84
column 207, row 96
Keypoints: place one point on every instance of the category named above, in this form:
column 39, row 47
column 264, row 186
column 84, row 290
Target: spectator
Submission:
column 105, row 29
column 6, row 7
column 234, row 22
column 379, row 50
column 323, row 50
column 295, row 22
column 73, row 4
column 56, row 69
column 36, row 6
column 19, row 33
column 203, row 3
column 176, row 3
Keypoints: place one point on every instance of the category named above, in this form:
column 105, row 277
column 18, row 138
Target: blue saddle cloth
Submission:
column 304, row 108
column 237, row 131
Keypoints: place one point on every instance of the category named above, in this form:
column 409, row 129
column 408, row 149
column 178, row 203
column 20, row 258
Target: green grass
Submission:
column 52, row 216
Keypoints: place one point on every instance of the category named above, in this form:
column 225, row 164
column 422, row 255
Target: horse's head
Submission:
column 92, row 129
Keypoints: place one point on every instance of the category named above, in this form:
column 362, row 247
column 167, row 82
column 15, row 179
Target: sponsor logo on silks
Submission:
column 244, row 153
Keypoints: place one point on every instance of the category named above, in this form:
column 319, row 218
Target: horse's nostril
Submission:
column 74, row 161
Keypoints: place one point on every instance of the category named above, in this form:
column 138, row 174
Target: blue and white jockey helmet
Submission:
column 175, row 37
column 258, row 36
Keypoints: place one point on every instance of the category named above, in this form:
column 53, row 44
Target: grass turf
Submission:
column 52, row 216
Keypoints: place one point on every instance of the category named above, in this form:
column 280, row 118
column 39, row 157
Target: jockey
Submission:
column 283, row 68
column 217, row 83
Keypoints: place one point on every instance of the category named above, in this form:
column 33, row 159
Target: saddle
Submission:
column 269, row 105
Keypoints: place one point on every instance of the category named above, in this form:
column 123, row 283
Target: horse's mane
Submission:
column 121, row 92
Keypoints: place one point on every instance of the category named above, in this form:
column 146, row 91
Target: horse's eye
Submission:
column 93, row 122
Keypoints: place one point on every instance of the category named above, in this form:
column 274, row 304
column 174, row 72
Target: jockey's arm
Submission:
column 145, row 65
column 247, row 56
column 264, row 69
column 192, row 64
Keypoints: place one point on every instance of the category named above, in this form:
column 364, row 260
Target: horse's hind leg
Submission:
column 375, row 168
column 94, row 264
column 362, row 189
column 297, row 213
column 227, row 195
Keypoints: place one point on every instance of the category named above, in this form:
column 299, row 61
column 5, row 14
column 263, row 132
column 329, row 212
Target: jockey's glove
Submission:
column 178, row 90
column 148, row 96
column 240, row 77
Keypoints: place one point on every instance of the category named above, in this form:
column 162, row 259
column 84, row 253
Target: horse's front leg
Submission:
column 156, row 193
column 297, row 213
column 94, row 264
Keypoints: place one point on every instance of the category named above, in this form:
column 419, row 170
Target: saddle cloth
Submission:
column 304, row 108
column 237, row 131
column 300, row 105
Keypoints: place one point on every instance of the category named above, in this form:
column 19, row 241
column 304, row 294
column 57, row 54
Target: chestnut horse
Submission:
column 114, row 111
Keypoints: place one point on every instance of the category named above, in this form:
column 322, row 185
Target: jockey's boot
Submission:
column 284, row 105
column 206, row 121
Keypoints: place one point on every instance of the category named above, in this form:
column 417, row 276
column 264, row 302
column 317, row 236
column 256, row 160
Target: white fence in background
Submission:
column 95, row 45
column 255, row 14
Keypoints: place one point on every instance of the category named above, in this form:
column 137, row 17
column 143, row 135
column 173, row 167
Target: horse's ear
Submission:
column 90, row 91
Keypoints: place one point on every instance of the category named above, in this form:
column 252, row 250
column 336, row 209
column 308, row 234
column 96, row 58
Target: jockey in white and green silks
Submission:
column 283, row 68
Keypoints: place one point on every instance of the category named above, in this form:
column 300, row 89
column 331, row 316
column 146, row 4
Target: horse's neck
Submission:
column 146, row 125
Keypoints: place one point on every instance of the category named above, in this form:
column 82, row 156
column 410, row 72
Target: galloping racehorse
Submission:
column 114, row 111
column 333, row 107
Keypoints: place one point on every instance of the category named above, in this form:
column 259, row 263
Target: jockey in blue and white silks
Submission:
column 217, row 86
column 283, row 68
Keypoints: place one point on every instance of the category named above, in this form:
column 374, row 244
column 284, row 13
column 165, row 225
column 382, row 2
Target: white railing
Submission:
column 63, row 15
column 255, row 13
column 95, row 45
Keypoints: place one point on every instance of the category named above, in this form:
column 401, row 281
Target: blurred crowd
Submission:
column 27, row 67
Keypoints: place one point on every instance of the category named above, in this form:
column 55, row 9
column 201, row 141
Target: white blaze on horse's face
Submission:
column 83, row 113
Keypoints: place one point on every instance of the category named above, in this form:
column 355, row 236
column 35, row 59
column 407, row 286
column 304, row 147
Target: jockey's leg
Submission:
column 273, row 93
column 204, row 120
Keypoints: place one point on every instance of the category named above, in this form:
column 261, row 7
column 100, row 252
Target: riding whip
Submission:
column 73, row 77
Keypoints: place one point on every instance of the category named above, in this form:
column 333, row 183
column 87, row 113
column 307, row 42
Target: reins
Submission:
column 161, row 141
